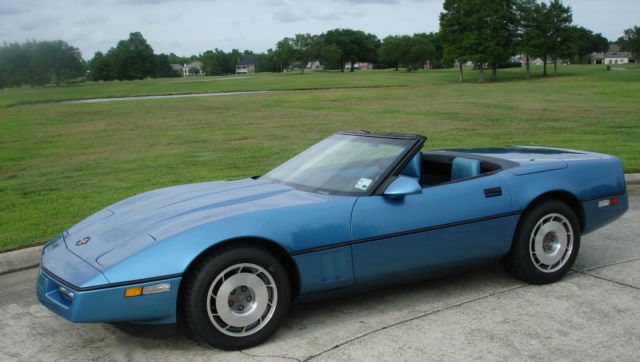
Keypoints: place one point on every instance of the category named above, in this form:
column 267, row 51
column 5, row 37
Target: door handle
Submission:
column 493, row 192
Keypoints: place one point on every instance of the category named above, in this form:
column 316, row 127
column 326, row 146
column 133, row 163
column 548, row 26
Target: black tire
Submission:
column 243, row 278
column 546, row 243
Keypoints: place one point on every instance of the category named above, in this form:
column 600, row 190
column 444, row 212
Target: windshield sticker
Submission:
column 363, row 183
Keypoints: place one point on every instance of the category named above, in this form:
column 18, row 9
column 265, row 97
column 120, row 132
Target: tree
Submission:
column 285, row 53
column 37, row 63
column 14, row 65
column 164, row 69
column 175, row 59
column 630, row 41
column 404, row 51
column 328, row 54
column 479, row 30
column 561, row 35
column 354, row 45
column 60, row 59
column 529, row 38
column 413, row 51
column 303, row 51
column 101, row 68
column 389, row 52
column 133, row 58
column 213, row 61
column 586, row 42
column 554, row 24
column 436, row 42
column 455, row 32
column 267, row 62
column 498, row 27
column 422, row 51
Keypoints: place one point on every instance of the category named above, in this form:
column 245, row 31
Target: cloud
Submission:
column 286, row 15
column 13, row 8
column 92, row 20
column 276, row 3
column 152, row 2
column 332, row 15
column 32, row 23
column 155, row 20
column 384, row 2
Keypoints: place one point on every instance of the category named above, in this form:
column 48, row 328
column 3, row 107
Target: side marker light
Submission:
column 157, row 288
column 133, row 292
column 149, row 289
column 607, row 202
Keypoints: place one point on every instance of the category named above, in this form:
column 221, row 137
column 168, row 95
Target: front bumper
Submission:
column 108, row 303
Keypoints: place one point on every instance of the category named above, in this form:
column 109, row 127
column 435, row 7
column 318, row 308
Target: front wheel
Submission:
column 546, row 243
column 236, row 298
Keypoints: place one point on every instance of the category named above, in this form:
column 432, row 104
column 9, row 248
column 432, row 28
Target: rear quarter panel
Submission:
column 588, row 180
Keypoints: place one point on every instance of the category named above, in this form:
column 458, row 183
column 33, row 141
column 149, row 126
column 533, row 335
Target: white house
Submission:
column 314, row 65
column 615, row 56
column 359, row 65
column 192, row 69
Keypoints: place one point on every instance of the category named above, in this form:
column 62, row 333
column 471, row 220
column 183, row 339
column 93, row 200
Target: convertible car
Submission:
column 353, row 212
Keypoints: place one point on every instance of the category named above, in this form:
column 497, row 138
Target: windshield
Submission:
column 341, row 164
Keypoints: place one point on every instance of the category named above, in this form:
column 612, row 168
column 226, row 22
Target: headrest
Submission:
column 464, row 167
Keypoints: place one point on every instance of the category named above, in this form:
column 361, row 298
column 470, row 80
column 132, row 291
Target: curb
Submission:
column 632, row 178
column 16, row 260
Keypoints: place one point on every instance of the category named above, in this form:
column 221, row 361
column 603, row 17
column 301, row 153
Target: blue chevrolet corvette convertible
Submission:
column 353, row 212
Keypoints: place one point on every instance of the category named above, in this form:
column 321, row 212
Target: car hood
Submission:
column 136, row 223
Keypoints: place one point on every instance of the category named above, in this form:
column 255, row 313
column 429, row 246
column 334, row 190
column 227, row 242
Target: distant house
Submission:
column 246, row 65
column 615, row 56
column 359, row 65
column 315, row 65
column 469, row 63
column 192, row 69
column 523, row 60
column 537, row 61
column 597, row 58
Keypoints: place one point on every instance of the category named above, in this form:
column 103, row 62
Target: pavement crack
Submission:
column 269, row 356
column 608, row 280
column 607, row 265
column 351, row 340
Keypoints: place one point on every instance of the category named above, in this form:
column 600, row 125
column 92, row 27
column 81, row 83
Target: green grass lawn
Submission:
column 60, row 163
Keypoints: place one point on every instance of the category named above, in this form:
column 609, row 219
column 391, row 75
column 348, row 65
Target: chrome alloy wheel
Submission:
column 242, row 299
column 551, row 242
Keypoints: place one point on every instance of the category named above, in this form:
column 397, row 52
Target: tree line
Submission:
column 485, row 33
column 38, row 62
column 488, row 33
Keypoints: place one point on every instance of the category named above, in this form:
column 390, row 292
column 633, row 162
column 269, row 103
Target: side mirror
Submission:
column 402, row 186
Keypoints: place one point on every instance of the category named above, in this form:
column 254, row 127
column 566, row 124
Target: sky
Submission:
column 191, row 27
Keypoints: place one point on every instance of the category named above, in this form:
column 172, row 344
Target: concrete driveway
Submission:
column 592, row 314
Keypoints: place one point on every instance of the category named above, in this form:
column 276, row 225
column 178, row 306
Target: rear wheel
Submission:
column 546, row 243
column 236, row 298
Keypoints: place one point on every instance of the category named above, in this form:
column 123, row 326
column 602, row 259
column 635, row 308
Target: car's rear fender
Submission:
column 578, row 185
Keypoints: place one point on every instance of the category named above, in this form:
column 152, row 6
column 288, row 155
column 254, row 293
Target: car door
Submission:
column 430, row 233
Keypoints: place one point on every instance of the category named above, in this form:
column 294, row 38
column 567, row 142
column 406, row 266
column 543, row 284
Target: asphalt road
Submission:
column 592, row 314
